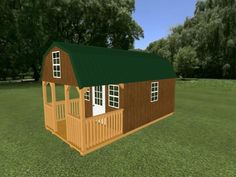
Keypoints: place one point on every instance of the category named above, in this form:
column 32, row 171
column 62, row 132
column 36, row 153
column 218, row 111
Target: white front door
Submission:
column 98, row 95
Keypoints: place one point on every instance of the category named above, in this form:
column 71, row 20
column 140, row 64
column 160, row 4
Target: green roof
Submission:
column 101, row 66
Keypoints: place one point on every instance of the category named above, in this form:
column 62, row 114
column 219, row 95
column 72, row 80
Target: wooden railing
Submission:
column 73, row 126
column 60, row 110
column 103, row 127
column 74, row 107
column 49, row 119
column 97, row 129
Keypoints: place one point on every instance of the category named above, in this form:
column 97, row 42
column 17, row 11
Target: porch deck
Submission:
column 61, row 128
column 98, row 130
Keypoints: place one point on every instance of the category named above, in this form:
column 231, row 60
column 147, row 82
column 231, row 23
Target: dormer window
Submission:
column 56, row 64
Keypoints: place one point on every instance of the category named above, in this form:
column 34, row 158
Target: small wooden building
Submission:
column 119, row 93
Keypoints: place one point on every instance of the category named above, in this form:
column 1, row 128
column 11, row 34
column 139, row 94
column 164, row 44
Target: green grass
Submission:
column 198, row 140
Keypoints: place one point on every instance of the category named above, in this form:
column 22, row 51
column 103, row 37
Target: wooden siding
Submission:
column 88, row 105
column 135, row 100
column 67, row 74
column 138, row 110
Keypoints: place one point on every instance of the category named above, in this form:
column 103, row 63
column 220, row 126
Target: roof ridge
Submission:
column 107, row 48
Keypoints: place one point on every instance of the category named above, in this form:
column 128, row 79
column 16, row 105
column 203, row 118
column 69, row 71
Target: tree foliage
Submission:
column 211, row 33
column 29, row 26
column 185, row 61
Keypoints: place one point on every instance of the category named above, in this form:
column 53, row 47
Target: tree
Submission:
column 185, row 61
column 226, row 70
column 8, row 41
column 35, row 24
column 160, row 47
column 211, row 33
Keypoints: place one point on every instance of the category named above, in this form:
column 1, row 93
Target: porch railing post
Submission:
column 53, row 91
column 67, row 97
column 82, row 117
column 122, row 120
column 66, row 92
column 44, row 92
column 44, row 99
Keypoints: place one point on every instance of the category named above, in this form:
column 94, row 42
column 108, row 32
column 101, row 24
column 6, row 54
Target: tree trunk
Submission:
column 36, row 74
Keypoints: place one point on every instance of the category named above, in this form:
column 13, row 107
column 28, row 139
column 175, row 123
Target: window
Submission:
column 154, row 91
column 87, row 95
column 56, row 67
column 113, row 96
column 98, row 95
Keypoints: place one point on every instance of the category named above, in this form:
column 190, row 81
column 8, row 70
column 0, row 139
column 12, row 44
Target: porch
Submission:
column 66, row 119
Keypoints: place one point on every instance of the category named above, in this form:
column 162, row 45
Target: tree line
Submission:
column 27, row 28
column 205, row 45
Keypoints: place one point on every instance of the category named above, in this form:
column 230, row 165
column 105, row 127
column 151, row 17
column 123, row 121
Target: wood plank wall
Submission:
column 138, row 110
column 67, row 74
column 135, row 100
column 88, row 105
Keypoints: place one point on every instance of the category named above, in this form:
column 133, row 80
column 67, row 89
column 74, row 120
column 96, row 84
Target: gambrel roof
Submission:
column 94, row 66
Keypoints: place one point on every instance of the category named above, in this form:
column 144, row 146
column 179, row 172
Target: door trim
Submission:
column 96, row 108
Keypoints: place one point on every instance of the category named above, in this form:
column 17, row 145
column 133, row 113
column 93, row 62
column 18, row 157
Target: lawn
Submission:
column 198, row 140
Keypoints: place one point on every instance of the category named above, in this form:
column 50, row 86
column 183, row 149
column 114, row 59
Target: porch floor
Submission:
column 61, row 128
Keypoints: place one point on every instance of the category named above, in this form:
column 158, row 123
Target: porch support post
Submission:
column 82, row 117
column 53, row 92
column 44, row 89
column 66, row 92
column 44, row 92
column 67, row 99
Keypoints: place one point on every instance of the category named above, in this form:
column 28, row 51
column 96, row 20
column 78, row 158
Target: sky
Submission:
column 156, row 17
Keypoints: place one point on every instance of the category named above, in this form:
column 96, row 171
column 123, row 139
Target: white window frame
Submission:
column 87, row 94
column 154, row 91
column 56, row 64
column 114, row 96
